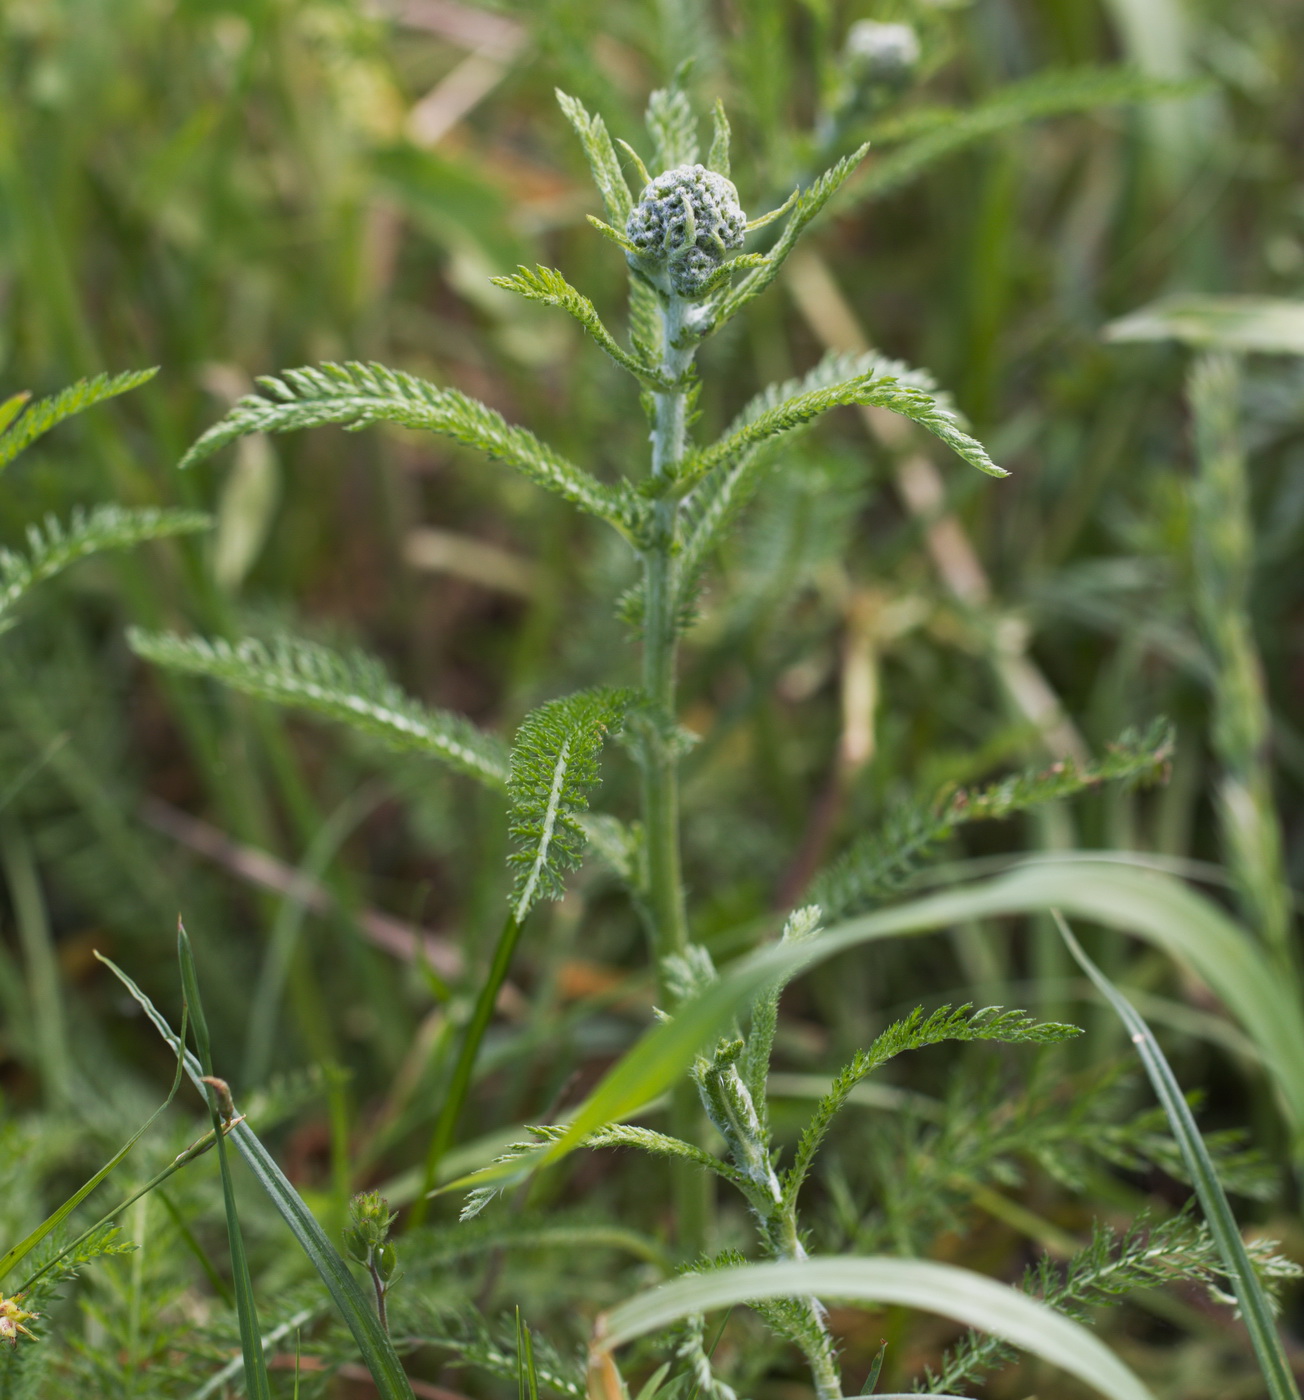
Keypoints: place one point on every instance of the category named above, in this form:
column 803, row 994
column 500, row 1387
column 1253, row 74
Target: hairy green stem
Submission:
column 821, row 1359
column 665, row 885
column 460, row 1083
column 660, row 647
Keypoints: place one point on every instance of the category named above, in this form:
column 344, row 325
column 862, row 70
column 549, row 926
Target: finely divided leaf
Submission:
column 352, row 688
column 45, row 413
column 961, row 1023
column 1148, row 1254
column 1146, row 903
column 876, row 866
column 357, row 395
column 878, row 386
column 52, row 547
column 663, row 1145
column 607, row 174
column 547, row 285
column 554, row 767
column 718, row 159
column 716, row 501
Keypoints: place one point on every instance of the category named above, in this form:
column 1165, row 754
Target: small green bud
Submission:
column 880, row 53
column 684, row 225
column 369, row 1221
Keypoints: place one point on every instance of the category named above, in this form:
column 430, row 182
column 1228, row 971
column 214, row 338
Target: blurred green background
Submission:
column 226, row 189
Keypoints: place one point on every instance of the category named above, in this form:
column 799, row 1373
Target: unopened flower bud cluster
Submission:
column 684, row 225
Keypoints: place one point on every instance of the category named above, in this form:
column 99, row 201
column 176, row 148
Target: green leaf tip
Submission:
column 718, row 157
column 19, row 429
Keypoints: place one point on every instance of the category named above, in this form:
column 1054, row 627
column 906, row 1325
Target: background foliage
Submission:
column 225, row 189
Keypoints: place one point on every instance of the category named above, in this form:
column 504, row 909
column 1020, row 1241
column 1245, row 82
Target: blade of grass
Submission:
column 284, row 938
column 50, row 1021
column 953, row 1292
column 1255, row 1309
column 257, row 1381
column 360, row 1316
column 182, row 1226
column 460, row 1083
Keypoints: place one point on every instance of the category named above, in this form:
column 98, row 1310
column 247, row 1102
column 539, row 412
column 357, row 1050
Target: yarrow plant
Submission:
column 683, row 233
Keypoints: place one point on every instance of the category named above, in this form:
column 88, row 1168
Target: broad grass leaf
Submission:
column 918, row 1283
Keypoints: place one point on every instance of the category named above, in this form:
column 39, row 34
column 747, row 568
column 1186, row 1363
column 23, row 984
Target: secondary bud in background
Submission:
column 878, row 53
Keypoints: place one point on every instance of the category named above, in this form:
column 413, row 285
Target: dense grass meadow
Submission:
column 688, row 890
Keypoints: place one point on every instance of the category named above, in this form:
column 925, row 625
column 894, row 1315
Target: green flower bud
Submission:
column 684, row 225
column 369, row 1222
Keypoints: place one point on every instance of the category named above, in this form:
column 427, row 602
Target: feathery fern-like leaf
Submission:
column 879, row 864
column 479, row 1197
column 358, row 395
column 917, row 1030
column 607, row 174
column 754, row 1064
column 42, row 415
column 554, row 767
column 663, row 1145
column 547, row 285
column 53, row 546
column 1149, row 1254
column 721, row 496
column 351, row 688
column 878, row 387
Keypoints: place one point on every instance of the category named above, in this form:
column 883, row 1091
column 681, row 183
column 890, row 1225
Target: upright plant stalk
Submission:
column 660, row 796
column 660, row 649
